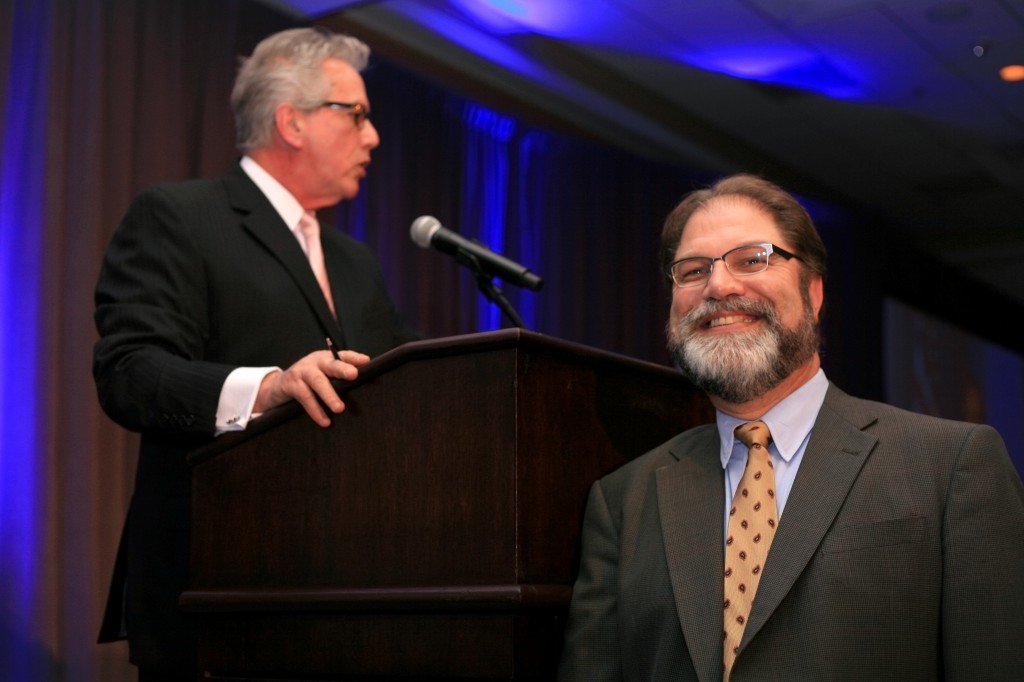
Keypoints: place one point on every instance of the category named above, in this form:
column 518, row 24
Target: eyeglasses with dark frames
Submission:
column 742, row 261
column 360, row 112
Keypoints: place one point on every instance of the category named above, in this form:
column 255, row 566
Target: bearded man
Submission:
column 807, row 534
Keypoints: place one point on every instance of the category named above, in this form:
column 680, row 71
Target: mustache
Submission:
column 691, row 321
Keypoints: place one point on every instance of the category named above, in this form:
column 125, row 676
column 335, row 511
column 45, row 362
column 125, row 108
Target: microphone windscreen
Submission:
column 423, row 230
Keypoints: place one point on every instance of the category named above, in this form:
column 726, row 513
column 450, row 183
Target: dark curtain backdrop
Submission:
column 100, row 98
column 583, row 216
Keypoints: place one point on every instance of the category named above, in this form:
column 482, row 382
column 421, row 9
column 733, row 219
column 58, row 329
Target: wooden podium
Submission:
column 432, row 531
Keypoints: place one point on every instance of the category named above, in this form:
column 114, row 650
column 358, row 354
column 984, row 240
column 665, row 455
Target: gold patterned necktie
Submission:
column 752, row 522
column 309, row 226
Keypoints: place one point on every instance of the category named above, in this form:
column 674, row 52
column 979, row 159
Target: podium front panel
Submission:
column 432, row 531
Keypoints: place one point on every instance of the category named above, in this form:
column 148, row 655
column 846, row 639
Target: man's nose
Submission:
column 722, row 283
column 370, row 134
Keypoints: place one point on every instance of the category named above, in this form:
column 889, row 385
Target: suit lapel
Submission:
column 691, row 502
column 259, row 218
column 834, row 457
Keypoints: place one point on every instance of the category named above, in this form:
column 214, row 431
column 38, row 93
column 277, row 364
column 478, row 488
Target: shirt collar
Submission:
column 286, row 205
column 790, row 421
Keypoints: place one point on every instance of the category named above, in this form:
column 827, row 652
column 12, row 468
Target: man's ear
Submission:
column 289, row 123
column 816, row 291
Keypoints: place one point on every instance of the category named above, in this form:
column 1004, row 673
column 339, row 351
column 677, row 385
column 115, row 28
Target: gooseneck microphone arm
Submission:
column 491, row 291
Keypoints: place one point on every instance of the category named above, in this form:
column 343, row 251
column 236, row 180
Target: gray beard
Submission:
column 742, row 366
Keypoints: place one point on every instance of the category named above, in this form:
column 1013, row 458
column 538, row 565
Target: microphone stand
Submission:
column 485, row 282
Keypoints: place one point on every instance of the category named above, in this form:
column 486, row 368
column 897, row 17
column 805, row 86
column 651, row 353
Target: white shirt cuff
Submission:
column 237, row 397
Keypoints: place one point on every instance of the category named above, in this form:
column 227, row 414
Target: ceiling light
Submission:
column 1012, row 73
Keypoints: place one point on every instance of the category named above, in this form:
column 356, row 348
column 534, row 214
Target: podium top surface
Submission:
column 466, row 344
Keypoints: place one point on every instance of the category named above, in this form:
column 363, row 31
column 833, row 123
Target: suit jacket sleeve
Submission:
column 152, row 319
column 983, row 586
column 592, row 645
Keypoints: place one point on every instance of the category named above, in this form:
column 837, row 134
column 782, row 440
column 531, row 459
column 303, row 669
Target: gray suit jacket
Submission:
column 899, row 556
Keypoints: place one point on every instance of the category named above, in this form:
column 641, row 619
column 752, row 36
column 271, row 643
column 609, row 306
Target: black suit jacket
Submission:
column 202, row 277
column 899, row 556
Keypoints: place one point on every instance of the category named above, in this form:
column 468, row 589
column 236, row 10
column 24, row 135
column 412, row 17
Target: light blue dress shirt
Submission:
column 790, row 423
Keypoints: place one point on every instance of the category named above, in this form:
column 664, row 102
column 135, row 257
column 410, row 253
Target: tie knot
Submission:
column 754, row 434
column 308, row 224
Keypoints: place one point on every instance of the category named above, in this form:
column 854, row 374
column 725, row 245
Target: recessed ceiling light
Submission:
column 1012, row 72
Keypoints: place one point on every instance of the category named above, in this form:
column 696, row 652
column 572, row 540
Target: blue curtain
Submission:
column 23, row 502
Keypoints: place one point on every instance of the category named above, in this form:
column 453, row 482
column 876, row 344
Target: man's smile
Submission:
column 723, row 320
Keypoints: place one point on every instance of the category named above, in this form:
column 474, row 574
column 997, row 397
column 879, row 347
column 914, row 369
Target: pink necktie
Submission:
column 309, row 226
column 752, row 522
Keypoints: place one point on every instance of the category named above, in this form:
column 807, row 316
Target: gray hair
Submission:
column 286, row 67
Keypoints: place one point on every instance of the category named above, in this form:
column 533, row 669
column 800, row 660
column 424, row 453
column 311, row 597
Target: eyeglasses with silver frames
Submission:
column 742, row 261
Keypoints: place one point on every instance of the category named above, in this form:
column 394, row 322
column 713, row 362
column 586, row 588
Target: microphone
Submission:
column 427, row 231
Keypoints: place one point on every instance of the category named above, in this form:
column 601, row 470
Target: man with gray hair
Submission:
column 217, row 300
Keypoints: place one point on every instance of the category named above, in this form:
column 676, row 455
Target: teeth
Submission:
column 731, row 319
